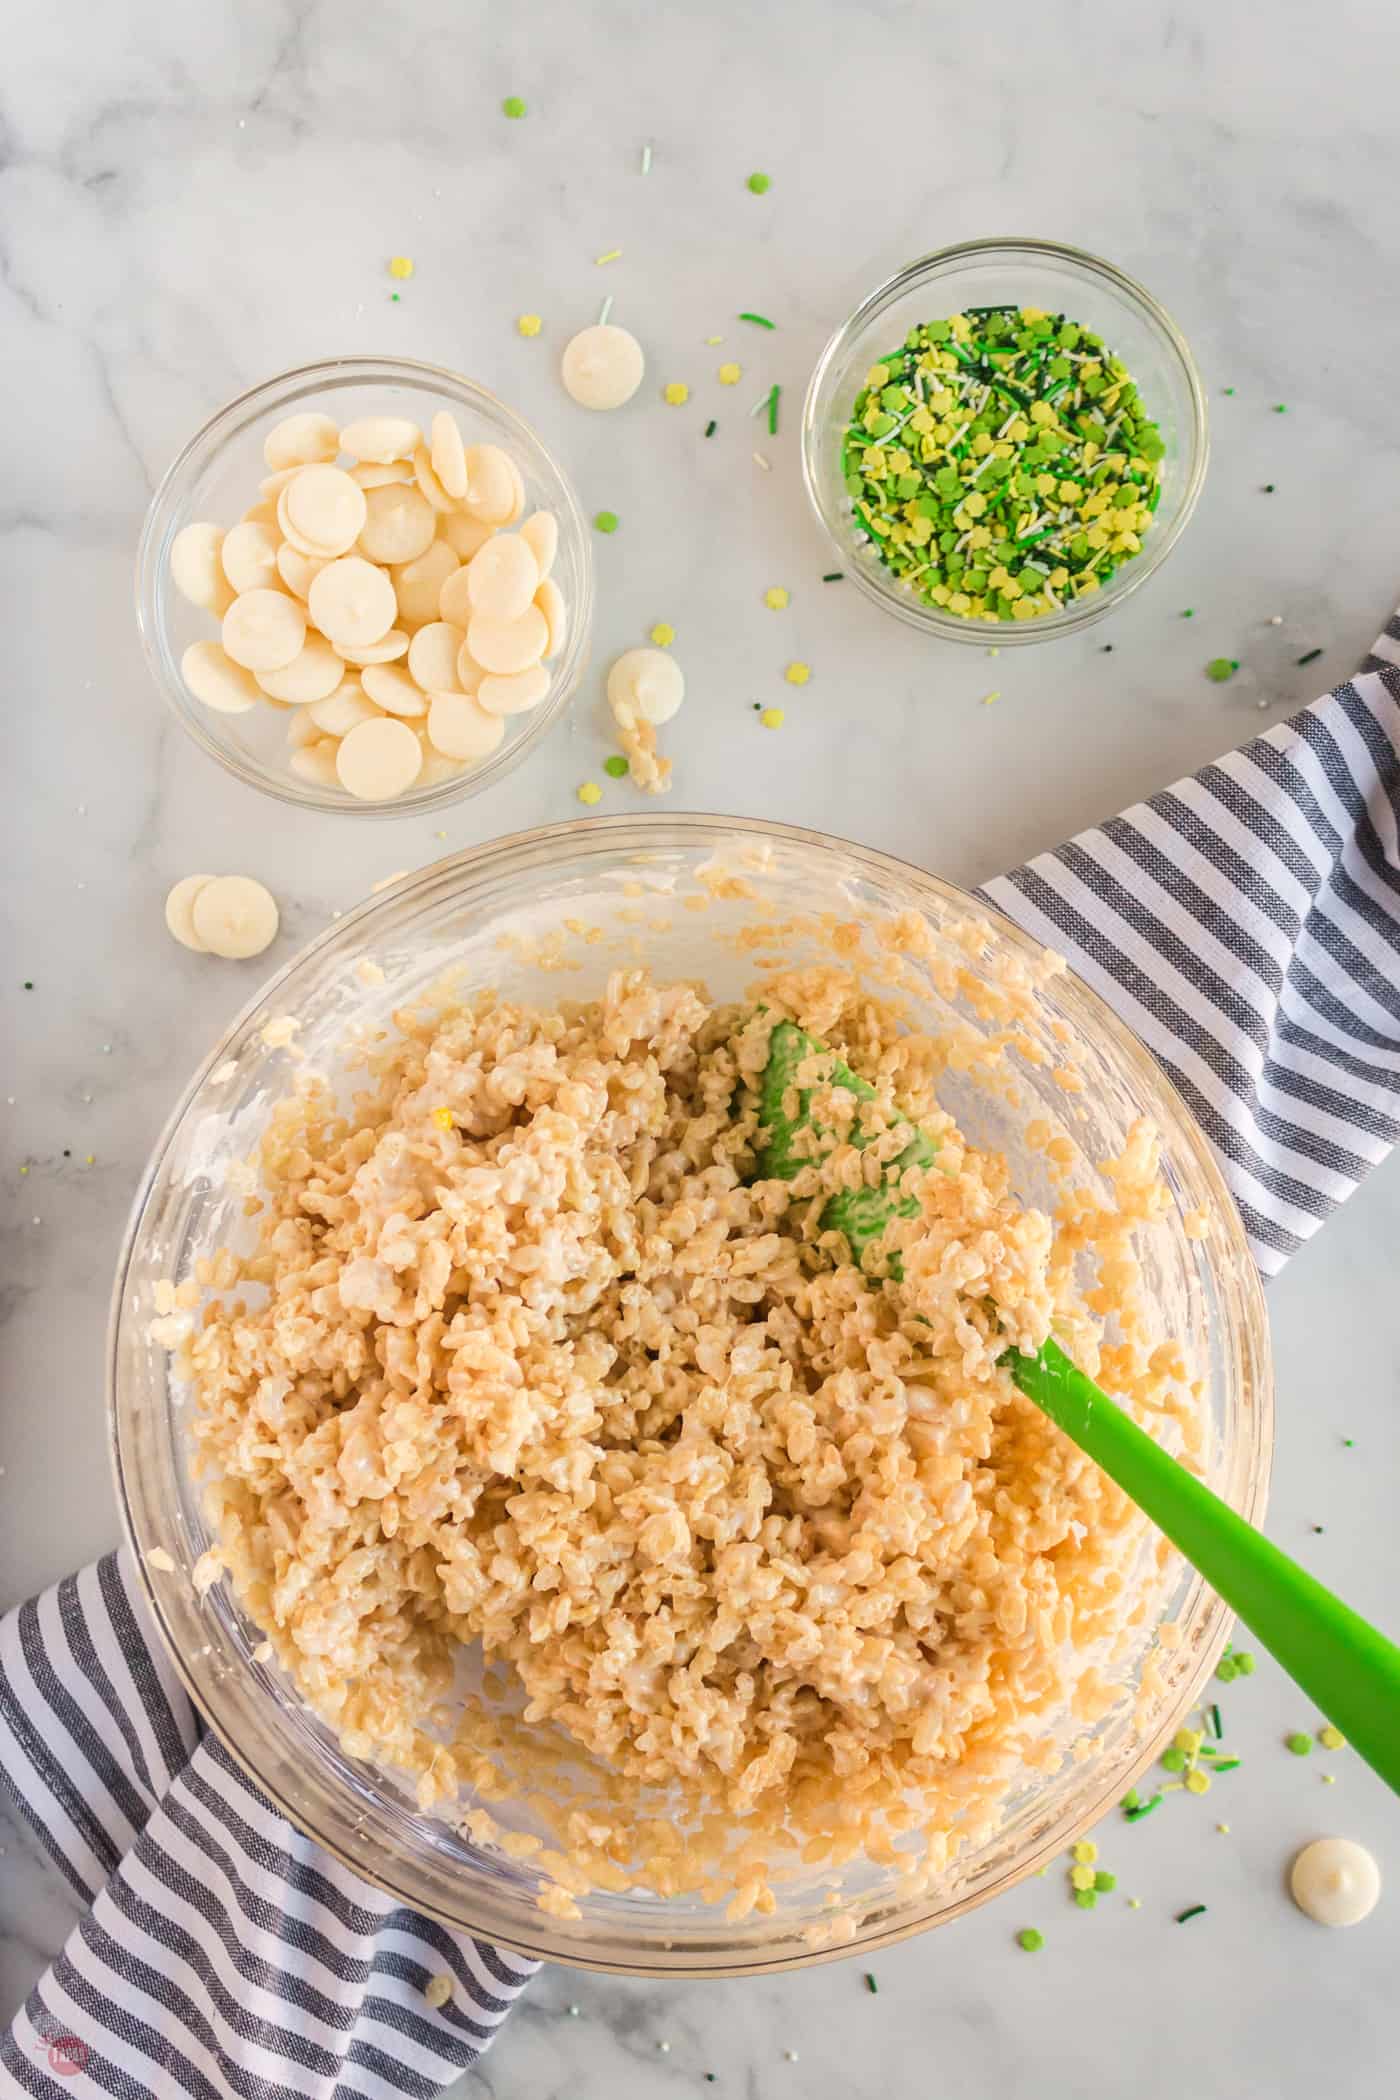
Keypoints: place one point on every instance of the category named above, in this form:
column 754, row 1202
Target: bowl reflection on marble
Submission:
column 609, row 878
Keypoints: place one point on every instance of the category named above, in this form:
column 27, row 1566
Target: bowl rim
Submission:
column 1084, row 612
column 363, row 368
column 1256, row 1447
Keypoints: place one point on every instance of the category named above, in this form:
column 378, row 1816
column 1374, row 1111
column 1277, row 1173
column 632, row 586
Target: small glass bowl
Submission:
column 217, row 476
column 1023, row 273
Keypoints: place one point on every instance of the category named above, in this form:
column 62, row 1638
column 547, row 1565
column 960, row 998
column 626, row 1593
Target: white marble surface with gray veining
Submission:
column 192, row 198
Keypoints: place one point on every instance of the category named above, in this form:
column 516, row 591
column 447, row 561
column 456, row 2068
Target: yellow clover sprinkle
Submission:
column 775, row 599
column 400, row 265
column 1189, row 1740
column 590, row 793
column 730, row 375
column 1331, row 1738
column 1081, row 1877
column 1086, row 1852
column 529, row 324
column 1197, row 1781
column 773, row 717
column 443, row 1118
column 797, row 673
column 677, row 393
column 663, row 634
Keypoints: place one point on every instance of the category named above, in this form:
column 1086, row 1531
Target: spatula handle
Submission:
column 1348, row 1668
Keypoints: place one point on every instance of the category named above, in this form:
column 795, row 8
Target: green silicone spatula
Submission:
column 1349, row 1669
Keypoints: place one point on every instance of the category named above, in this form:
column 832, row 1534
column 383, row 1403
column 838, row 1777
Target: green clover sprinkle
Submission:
column 1225, row 1669
column 1030, row 1939
column 1085, row 1898
column 1173, row 1760
column 605, row 520
column 1130, row 1799
column 1001, row 463
column 760, row 184
column 1299, row 1743
column 1244, row 1664
column 616, row 766
column 1220, row 668
column 513, row 106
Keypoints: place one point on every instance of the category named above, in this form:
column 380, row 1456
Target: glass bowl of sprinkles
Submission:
column 1005, row 440
column 279, row 737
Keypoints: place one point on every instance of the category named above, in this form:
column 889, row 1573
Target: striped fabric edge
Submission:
column 223, row 1953
column 1245, row 924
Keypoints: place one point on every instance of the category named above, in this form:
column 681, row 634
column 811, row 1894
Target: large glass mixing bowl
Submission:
column 639, row 880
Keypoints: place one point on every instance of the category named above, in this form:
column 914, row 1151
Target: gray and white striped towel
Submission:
column 1246, row 924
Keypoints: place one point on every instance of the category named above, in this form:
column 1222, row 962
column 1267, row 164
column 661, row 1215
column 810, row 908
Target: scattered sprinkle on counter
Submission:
column 871, row 1985
column 1031, row 1940
column 616, row 767
column 1224, row 1829
column 1310, row 658
column 1189, row 613
column 574, row 2011
column 1299, row 1743
column 730, row 375
column 1227, row 390
column 1268, row 488
column 394, row 298
column 1331, row 1738
column 798, row 673
column 710, row 428
column 590, row 793
column 605, row 311
column 605, row 521
column 713, row 341
column 400, row 265
column 1329, row 1779
column 1135, row 1903
column 760, row 460
column 513, row 106
column 775, row 598
column 1280, row 408
column 760, row 184
column 1222, row 667
column 646, row 158
column 677, row 393
column 611, row 255
column 991, row 699
column 772, row 717
column 1140, row 1809
column 663, row 634
column 839, row 576
column 1000, row 463
column 529, row 324
column 758, row 320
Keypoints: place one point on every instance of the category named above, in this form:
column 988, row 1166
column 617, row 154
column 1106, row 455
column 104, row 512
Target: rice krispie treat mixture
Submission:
column 524, row 1358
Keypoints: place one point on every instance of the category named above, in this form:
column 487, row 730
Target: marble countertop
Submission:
column 193, row 198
